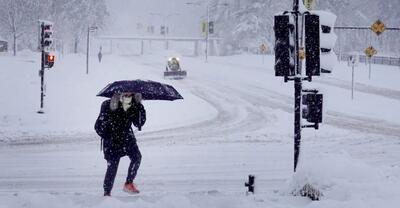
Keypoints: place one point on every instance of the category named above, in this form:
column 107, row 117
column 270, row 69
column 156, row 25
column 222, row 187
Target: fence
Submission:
column 392, row 61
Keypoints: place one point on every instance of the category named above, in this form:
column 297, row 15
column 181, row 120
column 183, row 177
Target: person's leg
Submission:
column 112, row 168
column 136, row 157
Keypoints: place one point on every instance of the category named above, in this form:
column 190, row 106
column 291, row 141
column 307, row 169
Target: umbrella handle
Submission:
column 140, row 121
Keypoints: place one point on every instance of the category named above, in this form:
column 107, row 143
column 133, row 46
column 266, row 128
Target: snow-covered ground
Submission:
column 236, row 119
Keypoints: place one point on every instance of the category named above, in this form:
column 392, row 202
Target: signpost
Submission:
column 369, row 52
column 89, row 29
column 353, row 61
column 263, row 50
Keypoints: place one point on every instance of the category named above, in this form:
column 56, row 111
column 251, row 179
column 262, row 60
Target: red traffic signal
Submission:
column 49, row 60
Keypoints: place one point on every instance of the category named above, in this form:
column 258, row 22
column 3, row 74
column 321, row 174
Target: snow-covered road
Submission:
column 236, row 119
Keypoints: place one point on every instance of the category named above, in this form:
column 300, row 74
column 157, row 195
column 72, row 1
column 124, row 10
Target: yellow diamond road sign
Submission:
column 263, row 48
column 378, row 27
column 309, row 4
column 370, row 51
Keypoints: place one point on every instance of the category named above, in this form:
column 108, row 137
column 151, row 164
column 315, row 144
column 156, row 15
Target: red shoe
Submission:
column 130, row 188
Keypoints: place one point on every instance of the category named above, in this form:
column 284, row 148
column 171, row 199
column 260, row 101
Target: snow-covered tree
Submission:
column 19, row 20
column 14, row 19
column 244, row 24
column 248, row 23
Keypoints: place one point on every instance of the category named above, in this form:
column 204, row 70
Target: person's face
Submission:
column 126, row 98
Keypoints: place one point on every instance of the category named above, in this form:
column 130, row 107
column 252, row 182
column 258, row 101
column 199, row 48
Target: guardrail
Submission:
column 391, row 61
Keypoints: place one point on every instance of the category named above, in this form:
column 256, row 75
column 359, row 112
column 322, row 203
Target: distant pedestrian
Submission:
column 100, row 55
column 114, row 126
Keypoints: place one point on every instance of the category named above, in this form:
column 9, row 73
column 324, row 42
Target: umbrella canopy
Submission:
column 150, row 90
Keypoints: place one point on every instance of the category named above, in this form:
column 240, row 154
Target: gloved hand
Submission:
column 138, row 97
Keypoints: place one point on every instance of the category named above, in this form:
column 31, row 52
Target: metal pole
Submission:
column 87, row 51
column 352, row 82
column 297, row 89
column 207, row 29
column 41, row 72
column 297, row 124
column 42, row 83
column 369, row 74
column 142, row 48
column 340, row 50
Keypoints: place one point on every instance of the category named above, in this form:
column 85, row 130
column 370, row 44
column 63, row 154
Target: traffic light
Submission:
column 327, row 40
column 46, row 34
column 312, row 45
column 211, row 27
column 312, row 111
column 162, row 30
column 49, row 60
column 284, row 46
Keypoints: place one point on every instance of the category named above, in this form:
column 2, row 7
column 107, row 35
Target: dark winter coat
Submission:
column 115, row 128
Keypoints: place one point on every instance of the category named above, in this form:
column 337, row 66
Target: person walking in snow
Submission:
column 100, row 55
column 114, row 126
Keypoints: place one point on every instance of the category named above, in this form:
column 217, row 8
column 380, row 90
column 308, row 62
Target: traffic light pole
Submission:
column 297, row 118
column 41, row 73
column 47, row 59
column 291, row 47
column 297, row 89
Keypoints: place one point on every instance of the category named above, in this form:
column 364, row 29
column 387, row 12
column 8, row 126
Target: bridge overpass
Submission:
column 212, row 41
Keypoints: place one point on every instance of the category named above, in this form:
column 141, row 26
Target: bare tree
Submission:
column 19, row 19
column 13, row 17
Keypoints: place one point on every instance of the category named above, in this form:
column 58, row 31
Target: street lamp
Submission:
column 90, row 29
column 208, row 20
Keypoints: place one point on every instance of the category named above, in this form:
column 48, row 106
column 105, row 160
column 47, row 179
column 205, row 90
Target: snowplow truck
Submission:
column 173, row 69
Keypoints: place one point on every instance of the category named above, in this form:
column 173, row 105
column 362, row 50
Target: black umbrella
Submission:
column 150, row 90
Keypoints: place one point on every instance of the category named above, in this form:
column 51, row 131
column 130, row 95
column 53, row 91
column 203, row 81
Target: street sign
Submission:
column 263, row 48
column 378, row 27
column 353, row 60
column 370, row 51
